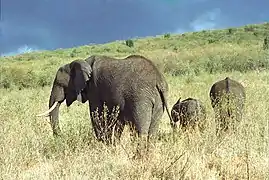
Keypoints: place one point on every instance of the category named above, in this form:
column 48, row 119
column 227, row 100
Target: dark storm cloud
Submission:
column 50, row 24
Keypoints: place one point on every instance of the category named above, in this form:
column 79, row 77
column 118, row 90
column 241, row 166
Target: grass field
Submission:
column 191, row 62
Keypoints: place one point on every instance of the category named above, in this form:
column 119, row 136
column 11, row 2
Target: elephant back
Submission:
column 227, row 86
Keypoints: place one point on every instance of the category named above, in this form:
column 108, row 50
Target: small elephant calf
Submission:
column 188, row 113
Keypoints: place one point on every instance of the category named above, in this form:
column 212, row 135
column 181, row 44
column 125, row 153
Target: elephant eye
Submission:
column 60, row 84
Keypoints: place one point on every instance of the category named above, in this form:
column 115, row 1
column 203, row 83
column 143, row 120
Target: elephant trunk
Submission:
column 56, row 98
column 54, row 116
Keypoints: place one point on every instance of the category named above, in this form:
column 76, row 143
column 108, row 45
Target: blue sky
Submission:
column 50, row 24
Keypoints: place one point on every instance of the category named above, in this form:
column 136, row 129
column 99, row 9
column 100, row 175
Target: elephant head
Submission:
column 69, row 83
column 175, row 113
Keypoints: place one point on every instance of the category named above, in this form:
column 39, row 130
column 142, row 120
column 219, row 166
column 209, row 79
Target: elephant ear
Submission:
column 178, row 101
column 80, row 73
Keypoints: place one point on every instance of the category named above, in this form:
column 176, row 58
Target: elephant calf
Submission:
column 228, row 101
column 188, row 112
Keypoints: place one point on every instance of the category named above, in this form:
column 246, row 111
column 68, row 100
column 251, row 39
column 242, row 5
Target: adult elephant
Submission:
column 228, row 100
column 133, row 83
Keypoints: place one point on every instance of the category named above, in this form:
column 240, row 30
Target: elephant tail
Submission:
column 228, row 95
column 164, row 103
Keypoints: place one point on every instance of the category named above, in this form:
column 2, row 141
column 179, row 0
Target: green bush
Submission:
column 217, row 64
column 230, row 31
column 167, row 36
column 129, row 43
column 249, row 28
column 266, row 43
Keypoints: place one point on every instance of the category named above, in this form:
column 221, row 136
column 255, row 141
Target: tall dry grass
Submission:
column 28, row 150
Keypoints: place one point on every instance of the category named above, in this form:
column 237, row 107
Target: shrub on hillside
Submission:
column 19, row 77
column 230, row 31
column 217, row 63
column 167, row 36
column 250, row 28
column 73, row 53
column 129, row 43
column 266, row 43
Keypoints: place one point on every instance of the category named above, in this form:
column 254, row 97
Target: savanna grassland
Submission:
column 191, row 62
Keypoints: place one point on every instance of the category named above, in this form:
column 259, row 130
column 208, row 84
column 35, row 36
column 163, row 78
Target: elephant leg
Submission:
column 157, row 113
column 93, row 106
column 224, row 122
column 117, row 129
column 219, row 120
column 141, row 117
column 106, row 130
column 133, row 131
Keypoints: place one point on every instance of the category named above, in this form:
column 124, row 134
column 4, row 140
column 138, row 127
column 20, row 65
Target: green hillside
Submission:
column 234, row 49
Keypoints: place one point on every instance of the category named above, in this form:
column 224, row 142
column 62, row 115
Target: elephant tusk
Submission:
column 48, row 111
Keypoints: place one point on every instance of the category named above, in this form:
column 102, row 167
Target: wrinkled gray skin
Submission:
column 133, row 83
column 228, row 100
column 188, row 113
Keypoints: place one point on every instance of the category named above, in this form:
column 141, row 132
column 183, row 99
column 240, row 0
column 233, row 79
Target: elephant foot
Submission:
column 141, row 154
column 143, row 151
column 57, row 134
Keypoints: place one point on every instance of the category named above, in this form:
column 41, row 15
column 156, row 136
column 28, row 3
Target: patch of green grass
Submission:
column 234, row 49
